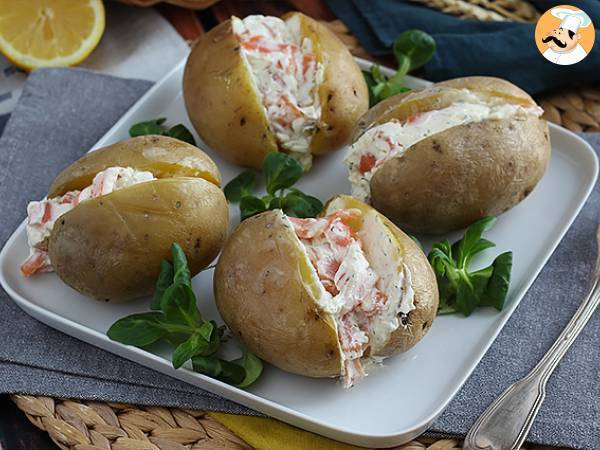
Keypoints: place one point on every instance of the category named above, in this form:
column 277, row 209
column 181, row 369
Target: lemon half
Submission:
column 49, row 33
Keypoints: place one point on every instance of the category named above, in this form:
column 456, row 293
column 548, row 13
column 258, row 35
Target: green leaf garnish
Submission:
column 250, row 206
column 181, row 271
column 179, row 305
column 371, row 84
column 463, row 291
column 207, row 365
column 226, row 371
column 177, row 321
column 148, row 127
column 471, row 243
column 298, row 204
column 165, row 278
column 274, row 202
column 138, row 329
column 412, row 49
column 157, row 126
column 187, row 349
column 471, row 287
column 240, row 186
column 416, row 46
column 253, row 367
column 281, row 173
column 214, row 340
column 241, row 372
column 497, row 287
column 180, row 132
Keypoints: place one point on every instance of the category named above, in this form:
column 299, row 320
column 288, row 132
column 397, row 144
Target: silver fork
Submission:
column 506, row 422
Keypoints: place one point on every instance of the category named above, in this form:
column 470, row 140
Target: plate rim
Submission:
column 250, row 399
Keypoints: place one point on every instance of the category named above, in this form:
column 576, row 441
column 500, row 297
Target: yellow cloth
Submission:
column 270, row 434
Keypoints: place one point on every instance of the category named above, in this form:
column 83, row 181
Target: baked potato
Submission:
column 263, row 84
column 439, row 158
column 111, row 217
column 325, row 297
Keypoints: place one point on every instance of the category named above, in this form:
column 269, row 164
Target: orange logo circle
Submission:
column 564, row 35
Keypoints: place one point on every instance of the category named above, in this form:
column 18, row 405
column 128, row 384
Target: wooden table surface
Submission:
column 17, row 433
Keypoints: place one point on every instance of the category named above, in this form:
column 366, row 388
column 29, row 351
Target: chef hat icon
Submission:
column 571, row 19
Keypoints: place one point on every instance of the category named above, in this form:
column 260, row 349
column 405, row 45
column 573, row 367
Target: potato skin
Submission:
column 224, row 107
column 343, row 93
column 450, row 180
column 264, row 294
column 453, row 178
column 163, row 156
column 490, row 85
column 261, row 294
column 222, row 102
column 438, row 96
column 110, row 247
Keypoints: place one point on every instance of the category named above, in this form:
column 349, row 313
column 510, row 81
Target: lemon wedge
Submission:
column 49, row 33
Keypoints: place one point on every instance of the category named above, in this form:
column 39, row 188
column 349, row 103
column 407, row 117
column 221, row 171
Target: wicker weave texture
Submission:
column 190, row 4
column 577, row 109
column 78, row 425
column 111, row 426
column 498, row 10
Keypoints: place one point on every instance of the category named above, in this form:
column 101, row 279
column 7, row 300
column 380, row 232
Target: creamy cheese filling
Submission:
column 364, row 288
column 382, row 142
column 394, row 279
column 287, row 76
column 42, row 215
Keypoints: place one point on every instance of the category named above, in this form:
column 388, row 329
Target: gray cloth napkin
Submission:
column 63, row 112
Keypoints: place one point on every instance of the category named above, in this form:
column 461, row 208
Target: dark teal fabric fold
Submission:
column 469, row 47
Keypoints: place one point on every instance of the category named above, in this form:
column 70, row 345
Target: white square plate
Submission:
column 396, row 402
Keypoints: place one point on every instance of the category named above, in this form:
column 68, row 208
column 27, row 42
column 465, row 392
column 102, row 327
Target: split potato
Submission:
column 109, row 245
column 264, row 84
column 438, row 159
column 274, row 294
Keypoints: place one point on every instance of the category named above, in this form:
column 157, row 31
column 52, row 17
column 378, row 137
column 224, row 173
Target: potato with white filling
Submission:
column 438, row 159
column 111, row 217
column 263, row 84
column 325, row 297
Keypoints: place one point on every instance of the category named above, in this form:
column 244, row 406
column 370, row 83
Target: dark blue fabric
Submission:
column 469, row 47
column 3, row 120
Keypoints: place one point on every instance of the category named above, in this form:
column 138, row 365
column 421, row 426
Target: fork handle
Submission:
column 507, row 421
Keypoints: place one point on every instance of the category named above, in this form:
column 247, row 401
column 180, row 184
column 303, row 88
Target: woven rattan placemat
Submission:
column 79, row 425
